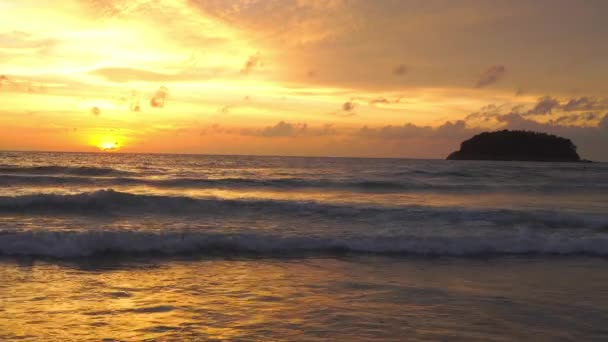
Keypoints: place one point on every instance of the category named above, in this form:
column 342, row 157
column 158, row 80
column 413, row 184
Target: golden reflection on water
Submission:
column 213, row 300
column 301, row 299
column 589, row 202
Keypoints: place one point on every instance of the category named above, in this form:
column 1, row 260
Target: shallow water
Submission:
column 135, row 247
column 307, row 299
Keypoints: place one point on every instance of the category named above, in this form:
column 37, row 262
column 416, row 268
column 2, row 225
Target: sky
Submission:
column 384, row 78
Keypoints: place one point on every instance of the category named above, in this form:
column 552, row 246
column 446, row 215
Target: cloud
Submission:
column 20, row 84
column 586, row 109
column 574, row 119
column 348, row 106
column 347, row 109
column 118, row 8
column 545, row 105
column 491, row 76
column 448, row 130
column 283, row 129
column 384, row 100
column 400, row 70
column 289, row 129
column 252, row 62
column 225, row 109
column 379, row 100
column 134, row 101
column 159, row 98
column 123, row 75
column 582, row 128
column 23, row 42
column 585, row 103
column 454, row 129
column 329, row 129
column 95, row 111
column 548, row 105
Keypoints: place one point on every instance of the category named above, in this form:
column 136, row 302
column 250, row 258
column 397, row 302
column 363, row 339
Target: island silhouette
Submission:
column 509, row 145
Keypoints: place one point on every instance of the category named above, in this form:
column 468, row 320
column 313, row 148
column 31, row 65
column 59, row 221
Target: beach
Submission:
column 191, row 247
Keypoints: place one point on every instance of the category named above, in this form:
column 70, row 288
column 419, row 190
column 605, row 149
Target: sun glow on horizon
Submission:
column 107, row 143
column 109, row 146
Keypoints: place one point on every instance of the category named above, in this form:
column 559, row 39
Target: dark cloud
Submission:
column 575, row 119
column 400, row 70
column 384, row 100
column 348, row 106
column 485, row 113
column 216, row 129
column 448, row 133
column 284, row 129
column 95, row 111
column 585, row 104
column 160, row 97
column 584, row 111
column 347, row 109
column 409, row 131
column 379, row 100
column 565, row 120
column 406, row 131
column 491, row 76
column 452, row 129
column 289, row 129
column 251, row 63
column 545, row 105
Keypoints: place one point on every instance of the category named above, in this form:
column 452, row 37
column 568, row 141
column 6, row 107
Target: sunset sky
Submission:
column 299, row 77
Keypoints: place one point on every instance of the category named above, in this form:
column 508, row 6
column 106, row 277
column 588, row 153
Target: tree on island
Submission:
column 517, row 145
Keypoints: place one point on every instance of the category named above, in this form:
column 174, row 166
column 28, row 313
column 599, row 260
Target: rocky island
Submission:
column 517, row 145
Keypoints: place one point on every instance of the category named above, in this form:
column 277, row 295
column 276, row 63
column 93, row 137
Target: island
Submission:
column 517, row 146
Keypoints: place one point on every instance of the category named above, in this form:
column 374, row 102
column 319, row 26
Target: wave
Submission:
column 110, row 202
column 58, row 244
column 279, row 184
column 238, row 183
column 63, row 170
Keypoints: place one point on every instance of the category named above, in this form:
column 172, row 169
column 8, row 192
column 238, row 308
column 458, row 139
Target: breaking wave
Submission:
column 123, row 178
column 104, row 202
column 130, row 243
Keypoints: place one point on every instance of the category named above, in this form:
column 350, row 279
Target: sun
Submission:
column 106, row 143
column 109, row 146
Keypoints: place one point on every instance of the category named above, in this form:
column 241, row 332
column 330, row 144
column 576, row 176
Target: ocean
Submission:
column 131, row 247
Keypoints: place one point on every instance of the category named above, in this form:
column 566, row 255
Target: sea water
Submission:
column 190, row 247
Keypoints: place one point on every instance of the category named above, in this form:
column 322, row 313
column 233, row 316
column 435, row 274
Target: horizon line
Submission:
column 214, row 154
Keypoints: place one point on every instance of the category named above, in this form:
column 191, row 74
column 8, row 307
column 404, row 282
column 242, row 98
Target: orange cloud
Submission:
column 159, row 97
